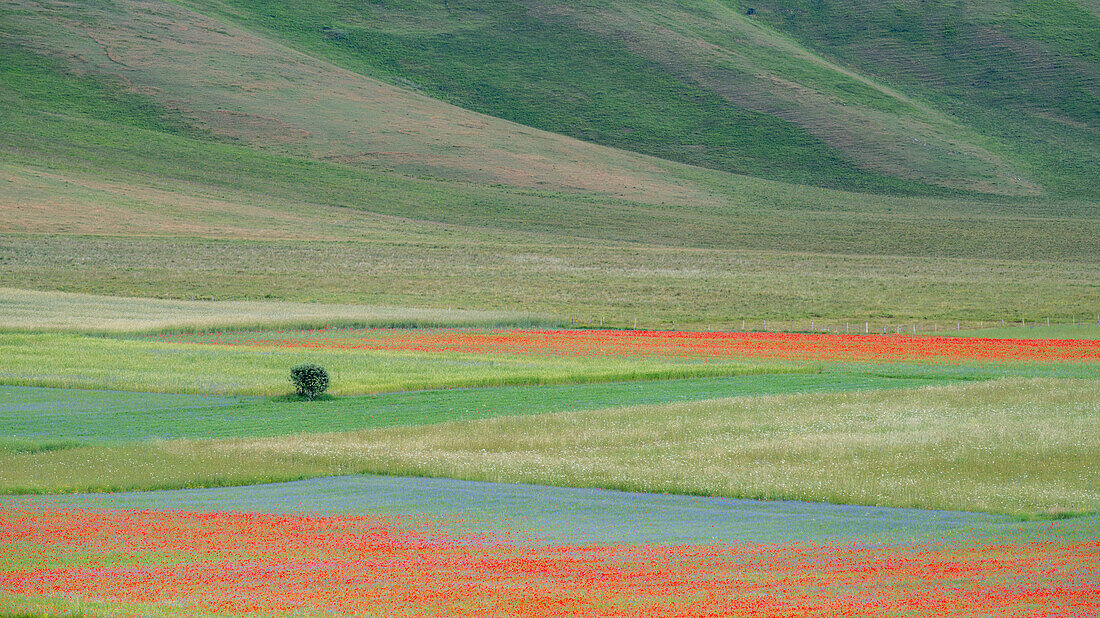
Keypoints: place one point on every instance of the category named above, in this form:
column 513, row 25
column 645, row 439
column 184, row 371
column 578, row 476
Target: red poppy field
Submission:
column 240, row 563
column 634, row 344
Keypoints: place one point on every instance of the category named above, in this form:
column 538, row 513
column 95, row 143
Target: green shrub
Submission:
column 309, row 380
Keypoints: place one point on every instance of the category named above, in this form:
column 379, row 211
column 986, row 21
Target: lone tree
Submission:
column 309, row 380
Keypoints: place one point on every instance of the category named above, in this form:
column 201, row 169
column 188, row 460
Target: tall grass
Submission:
column 1021, row 447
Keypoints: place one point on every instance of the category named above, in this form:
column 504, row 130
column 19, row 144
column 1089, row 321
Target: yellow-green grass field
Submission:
column 1035, row 330
column 585, row 281
column 80, row 361
column 1014, row 446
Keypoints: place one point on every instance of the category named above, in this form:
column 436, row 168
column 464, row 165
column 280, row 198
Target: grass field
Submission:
column 34, row 311
column 1029, row 454
column 655, row 285
column 40, row 418
column 1090, row 331
column 1022, row 447
column 81, row 361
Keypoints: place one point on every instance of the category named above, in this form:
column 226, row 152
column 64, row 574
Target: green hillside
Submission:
column 1026, row 73
column 151, row 150
column 692, row 81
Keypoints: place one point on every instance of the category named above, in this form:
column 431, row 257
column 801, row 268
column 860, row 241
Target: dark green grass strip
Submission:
column 73, row 423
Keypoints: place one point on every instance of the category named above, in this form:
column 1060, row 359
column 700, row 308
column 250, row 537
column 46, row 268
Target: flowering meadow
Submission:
column 883, row 421
column 240, row 563
column 620, row 343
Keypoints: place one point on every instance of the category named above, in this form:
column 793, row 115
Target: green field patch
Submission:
column 80, row 361
column 1023, row 447
column 1034, row 330
column 30, row 416
column 41, row 419
column 1018, row 447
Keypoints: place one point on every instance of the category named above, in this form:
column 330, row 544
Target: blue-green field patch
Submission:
column 84, row 416
column 554, row 515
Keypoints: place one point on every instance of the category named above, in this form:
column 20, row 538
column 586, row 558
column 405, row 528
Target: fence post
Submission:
column 866, row 328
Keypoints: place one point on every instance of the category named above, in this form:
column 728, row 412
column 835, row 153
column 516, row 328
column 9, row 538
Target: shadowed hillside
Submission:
column 693, row 81
column 1024, row 72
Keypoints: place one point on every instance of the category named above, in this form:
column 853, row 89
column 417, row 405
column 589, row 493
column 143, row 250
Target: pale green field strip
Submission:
column 1033, row 331
column 1023, row 447
column 1020, row 447
column 64, row 360
column 587, row 280
column 78, row 361
column 561, row 515
column 31, row 310
column 34, row 418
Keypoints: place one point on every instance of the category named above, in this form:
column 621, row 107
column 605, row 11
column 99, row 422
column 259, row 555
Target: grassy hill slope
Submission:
column 1024, row 72
column 692, row 81
column 149, row 150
